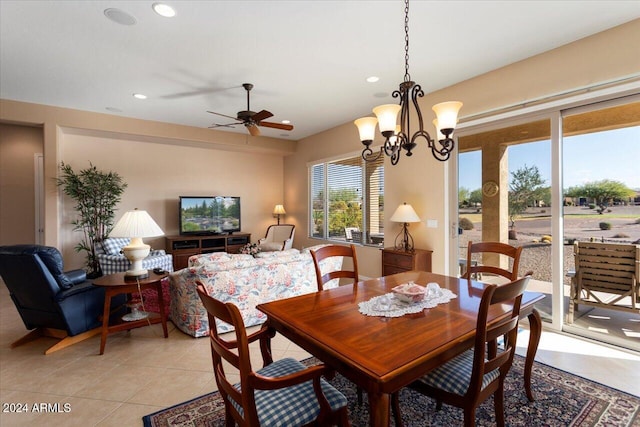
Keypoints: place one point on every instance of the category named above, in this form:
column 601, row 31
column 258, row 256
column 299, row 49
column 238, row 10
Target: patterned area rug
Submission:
column 562, row 399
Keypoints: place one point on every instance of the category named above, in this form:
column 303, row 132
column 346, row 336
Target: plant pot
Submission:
column 513, row 235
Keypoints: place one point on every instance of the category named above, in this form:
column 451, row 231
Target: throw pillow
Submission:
column 113, row 245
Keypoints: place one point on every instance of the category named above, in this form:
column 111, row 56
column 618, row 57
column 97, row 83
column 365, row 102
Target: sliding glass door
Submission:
column 544, row 181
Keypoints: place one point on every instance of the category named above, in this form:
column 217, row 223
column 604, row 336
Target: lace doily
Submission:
column 397, row 308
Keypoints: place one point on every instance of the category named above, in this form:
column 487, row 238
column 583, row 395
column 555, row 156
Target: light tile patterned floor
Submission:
column 141, row 372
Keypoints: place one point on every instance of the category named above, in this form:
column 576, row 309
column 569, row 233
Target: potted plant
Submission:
column 96, row 194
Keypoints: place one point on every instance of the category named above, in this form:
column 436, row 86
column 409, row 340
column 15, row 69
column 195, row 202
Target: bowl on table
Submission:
column 409, row 292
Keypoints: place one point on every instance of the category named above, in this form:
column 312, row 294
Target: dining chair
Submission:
column 284, row 392
column 331, row 251
column 470, row 378
column 473, row 269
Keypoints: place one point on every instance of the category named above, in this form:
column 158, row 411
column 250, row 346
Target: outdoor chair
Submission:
column 50, row 301
column 279, row 237
column 470, row 378
column 348, row 232
column 606, row 275
column 282, row 393
column 357, row 236
column 475, row 269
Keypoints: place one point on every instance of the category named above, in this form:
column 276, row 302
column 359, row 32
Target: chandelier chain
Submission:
column 407, row 77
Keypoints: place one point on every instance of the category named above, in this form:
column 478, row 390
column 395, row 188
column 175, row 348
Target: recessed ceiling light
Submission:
column 139, row 96
column 164, row 10
column 286, row 122
column 120, row 16
column 372, row 79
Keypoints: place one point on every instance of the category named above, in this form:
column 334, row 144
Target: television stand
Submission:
column 182, row 247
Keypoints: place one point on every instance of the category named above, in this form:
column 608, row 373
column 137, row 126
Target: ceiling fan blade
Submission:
column 223, row 115
column 261, row 115
column 229, row 125
column 253, row 129
column 276, row 125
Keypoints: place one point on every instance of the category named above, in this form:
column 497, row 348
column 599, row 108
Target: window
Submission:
column 347, row 200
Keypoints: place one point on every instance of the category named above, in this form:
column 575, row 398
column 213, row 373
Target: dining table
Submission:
column 383, row 354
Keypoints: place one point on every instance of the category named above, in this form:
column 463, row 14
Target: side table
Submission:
column 116, row 284
column 396, row 261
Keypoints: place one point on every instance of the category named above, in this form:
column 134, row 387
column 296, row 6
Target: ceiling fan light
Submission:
column 387, row 115
column 447, row 113
column 366, row 128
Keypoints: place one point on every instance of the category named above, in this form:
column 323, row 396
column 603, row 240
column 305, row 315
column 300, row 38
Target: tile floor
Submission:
column 141, row 372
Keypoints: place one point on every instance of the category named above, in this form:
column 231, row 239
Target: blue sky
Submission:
column 613, row 154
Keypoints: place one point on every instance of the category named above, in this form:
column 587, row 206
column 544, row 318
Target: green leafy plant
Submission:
column 96, row 194
column 605, row 226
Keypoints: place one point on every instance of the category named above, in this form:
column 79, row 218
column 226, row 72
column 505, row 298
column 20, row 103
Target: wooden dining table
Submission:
column 384, row 354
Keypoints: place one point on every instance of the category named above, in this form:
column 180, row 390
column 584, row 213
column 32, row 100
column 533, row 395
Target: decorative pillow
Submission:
column 113, row 245
column 271, row 246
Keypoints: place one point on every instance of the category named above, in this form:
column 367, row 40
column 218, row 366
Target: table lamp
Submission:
column 405, row 214
column 277, row 211
column 136, row 225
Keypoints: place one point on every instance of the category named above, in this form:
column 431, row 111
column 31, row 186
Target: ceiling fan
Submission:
column 250, row 119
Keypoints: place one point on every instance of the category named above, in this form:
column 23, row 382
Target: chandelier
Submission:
column 399, row 137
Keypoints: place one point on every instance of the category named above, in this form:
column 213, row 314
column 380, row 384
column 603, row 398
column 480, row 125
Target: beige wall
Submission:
column 159, row 162
column 421, row 180
column 18, row 145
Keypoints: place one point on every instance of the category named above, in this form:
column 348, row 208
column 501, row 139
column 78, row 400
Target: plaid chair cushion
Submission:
column 291, row 406
column 455, row 375
column 113, row 246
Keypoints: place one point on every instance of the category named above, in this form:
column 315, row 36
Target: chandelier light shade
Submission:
column 277, row 211
column 404, row 214
column 404, row 139
column 136, row 225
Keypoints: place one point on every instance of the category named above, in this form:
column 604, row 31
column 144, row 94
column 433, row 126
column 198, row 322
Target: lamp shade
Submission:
column 405, row 213
column 441, row 136
column 136, row 223
column 447, row 113
column 366, row 128
column 387, row 115
column 279, row 210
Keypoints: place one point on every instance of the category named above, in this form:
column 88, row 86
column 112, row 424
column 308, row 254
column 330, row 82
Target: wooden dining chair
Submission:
column 331, row 251
column 474, row 269
column 470, row 378
column 284, row 392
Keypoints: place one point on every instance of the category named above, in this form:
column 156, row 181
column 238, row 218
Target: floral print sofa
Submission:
column 244, row 280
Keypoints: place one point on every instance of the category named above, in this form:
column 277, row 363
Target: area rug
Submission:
column 562, row 399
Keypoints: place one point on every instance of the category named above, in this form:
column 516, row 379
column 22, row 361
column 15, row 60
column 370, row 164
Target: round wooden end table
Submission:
column 116, row 284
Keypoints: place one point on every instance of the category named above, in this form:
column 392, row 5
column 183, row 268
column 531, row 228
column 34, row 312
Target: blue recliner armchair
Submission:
column 50, row 301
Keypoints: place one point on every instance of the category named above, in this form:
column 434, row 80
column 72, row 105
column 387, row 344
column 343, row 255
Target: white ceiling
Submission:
column 308, row 60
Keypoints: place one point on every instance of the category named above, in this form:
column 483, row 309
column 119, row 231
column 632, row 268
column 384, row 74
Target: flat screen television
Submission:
column 205, row 215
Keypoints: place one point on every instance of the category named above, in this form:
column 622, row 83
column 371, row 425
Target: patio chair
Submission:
column 606, row 276
column 348, row 232
column 282, row 393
